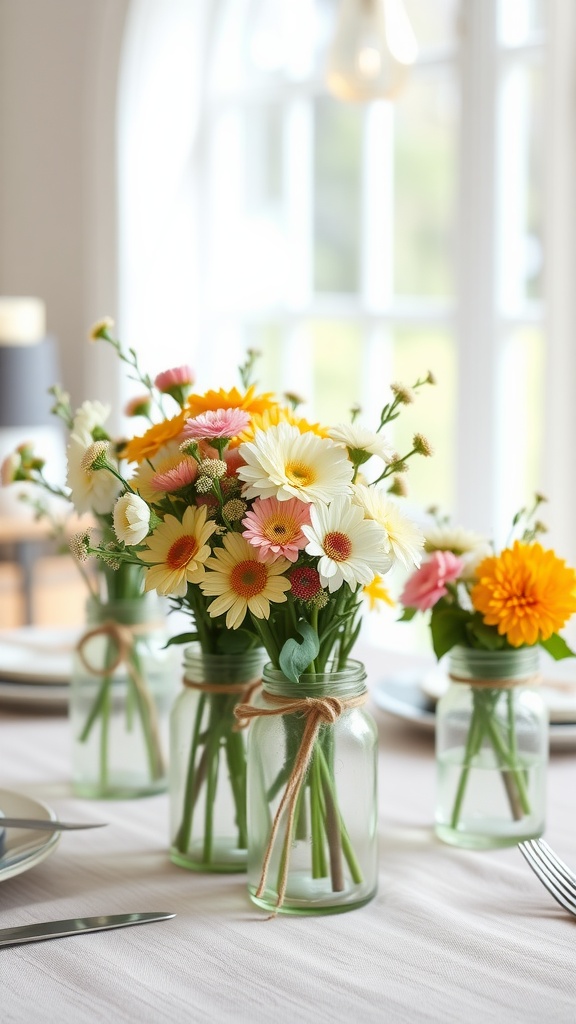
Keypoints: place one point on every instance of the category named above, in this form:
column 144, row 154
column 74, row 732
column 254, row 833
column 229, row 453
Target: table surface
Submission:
column 452, row 935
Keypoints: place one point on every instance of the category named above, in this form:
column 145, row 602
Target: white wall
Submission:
column 58, row 236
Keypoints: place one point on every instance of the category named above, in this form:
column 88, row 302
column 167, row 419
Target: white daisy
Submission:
column 469, row 546
column 131, row 519
column 90, row 490
column 405, row 539
column 360, row 440
column 351, row 549
column 283, row 463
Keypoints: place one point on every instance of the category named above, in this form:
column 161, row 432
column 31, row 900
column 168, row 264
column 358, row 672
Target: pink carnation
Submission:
column 177, row 377
column 428, row 584
column 221, row 423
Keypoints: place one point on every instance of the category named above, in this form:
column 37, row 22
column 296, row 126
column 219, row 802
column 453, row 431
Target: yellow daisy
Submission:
column 527, row 592
column 278, row 414
column 177, row 551
column 375, row 592
column 240, row 583
column 234, row 399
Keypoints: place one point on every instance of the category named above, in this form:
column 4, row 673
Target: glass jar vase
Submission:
column 122, row 687
column 208, row 760
column 491, row 750
column 312, row 804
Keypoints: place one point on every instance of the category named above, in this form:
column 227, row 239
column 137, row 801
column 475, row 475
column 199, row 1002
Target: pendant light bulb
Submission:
column 371, row 52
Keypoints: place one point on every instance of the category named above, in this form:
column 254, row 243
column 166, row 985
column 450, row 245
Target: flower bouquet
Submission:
column 121, row 679
column 261, row 526
column 491, row 613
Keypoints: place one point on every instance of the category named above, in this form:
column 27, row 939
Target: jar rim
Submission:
column 350, row 679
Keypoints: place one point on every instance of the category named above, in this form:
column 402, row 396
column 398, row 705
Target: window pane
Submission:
column 337, row 185
column 416, row 351
column 435, row 24
column 337, row 369
column 521, row 414
column 521, row 186
column 519, row 20
column 424, row 185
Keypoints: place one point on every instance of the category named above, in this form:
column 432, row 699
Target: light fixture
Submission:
column 372, row 49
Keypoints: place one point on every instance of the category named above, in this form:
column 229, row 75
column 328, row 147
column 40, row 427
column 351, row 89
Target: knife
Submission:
column 45, row 825
column 60, row 929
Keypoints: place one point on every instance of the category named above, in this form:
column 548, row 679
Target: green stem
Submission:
column 104, row 735
column 319, row 869
column 347, row 848
column 236, row 759
column 211, row 786
column 182, row 840
column 473, row 743
column 505, row 759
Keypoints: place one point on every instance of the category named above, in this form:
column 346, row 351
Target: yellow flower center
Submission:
column 248, row 578
column 299, row 474
column 337, row 546
column 280, row 529
column 181, row 551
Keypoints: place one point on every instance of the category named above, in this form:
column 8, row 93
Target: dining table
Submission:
column 452, row 935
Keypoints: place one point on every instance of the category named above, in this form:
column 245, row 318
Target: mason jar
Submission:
column 208, row 830
column 312, row 798
column 491, row 749
column 121, row 691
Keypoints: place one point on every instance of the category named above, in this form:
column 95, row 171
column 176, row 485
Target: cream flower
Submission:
column 177, row 551
column 351, row 549
column 131, row 519
column 89, row 416
column 405, row 539
column 90, row 490
column 283, row 463
column 361, row 440
column 469, row 546
column 239, row 582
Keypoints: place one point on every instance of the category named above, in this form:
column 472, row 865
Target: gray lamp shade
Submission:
column 26, row 373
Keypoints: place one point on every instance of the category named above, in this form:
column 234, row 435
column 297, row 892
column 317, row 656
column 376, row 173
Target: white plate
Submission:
column 37, row 654
column 402, row 696
column 24, row 848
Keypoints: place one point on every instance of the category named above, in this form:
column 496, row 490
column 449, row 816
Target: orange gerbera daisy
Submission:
column 150, row 443
column 234, row 399
column 527, row 592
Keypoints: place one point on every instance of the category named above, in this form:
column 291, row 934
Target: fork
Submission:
column 552, row 872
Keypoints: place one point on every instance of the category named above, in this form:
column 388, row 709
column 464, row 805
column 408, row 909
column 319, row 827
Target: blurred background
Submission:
column 193, row 169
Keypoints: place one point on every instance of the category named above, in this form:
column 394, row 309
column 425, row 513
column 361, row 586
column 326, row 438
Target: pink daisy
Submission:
column 176, row 477
column 138, row 406
column 219, row 423
column 177, row 377
column 275, row 528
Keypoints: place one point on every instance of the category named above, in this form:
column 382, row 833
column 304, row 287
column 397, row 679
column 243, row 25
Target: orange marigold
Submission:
column 527, row 592
column 150, row 443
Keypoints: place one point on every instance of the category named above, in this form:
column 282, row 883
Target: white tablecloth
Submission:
column 452, row 935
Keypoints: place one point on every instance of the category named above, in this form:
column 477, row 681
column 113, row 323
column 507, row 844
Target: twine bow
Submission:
column 317, row 711
column 123, row 637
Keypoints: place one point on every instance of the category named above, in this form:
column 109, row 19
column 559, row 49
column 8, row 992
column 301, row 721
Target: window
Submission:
column 355, row 245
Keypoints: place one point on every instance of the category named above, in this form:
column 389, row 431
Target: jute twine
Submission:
column 498, row 684
column 244, row 690
column 123, row 637
column 317, row 711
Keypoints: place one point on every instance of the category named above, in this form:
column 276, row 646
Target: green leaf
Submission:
column 483, row 636
column 557, row 647
column 182, row 638
column 407, row 615
column 448, row 629
column 295, row 658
